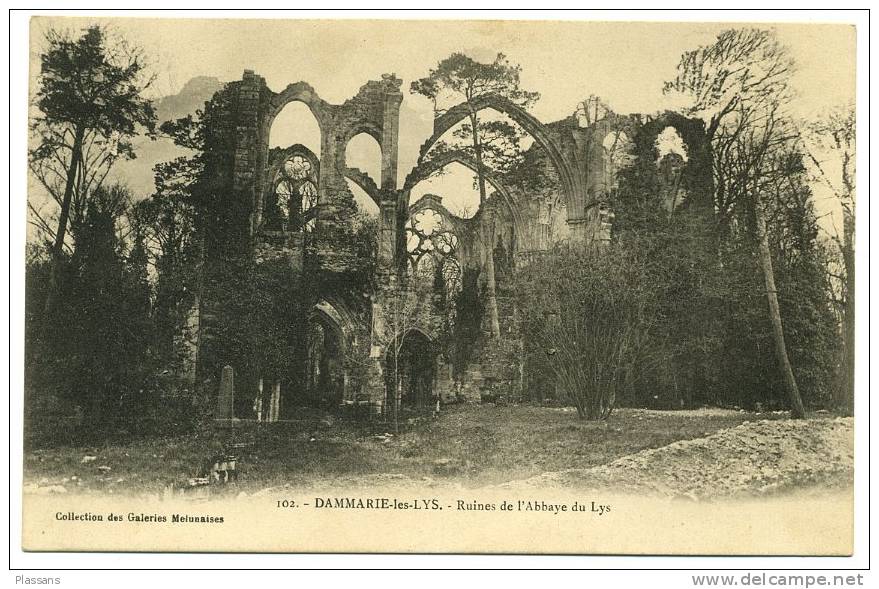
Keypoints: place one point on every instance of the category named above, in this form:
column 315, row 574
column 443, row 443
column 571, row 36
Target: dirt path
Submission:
column 751, row 459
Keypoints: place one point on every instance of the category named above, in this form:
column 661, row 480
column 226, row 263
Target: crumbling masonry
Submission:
column 375, row 341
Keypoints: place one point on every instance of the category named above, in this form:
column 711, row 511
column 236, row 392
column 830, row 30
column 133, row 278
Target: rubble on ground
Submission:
column 755, row 458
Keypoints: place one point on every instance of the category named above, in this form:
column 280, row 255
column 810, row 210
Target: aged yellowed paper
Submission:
column 440, row 286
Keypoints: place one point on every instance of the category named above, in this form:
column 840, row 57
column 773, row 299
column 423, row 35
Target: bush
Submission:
column 586, row 317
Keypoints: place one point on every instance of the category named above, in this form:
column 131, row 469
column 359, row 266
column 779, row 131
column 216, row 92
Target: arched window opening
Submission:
column 457, row 184
column 617, row 156
column 540, row 134
column 363, row 152
column 432, row 250
column 668, row 142
column 671, row 158
column 503, row 141
column 295, row 124
column 293, row 202
column 425, row 268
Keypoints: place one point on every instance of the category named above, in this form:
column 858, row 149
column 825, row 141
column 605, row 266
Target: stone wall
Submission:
column 563, row 192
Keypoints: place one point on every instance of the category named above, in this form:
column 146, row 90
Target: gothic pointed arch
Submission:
column 539, row 131
column 425, row 169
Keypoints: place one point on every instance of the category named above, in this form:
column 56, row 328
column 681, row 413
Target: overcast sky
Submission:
column 625, row 63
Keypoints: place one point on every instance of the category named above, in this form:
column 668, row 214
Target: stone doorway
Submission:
column 325, row 373
column 414, row 370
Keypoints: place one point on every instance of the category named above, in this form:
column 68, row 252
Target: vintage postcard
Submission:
column 439, row 286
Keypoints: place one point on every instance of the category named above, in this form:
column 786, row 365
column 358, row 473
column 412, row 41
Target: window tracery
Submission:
column 432, row 248
column 295, row 194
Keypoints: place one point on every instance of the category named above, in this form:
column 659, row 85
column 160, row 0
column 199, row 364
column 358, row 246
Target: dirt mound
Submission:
column 751, row 459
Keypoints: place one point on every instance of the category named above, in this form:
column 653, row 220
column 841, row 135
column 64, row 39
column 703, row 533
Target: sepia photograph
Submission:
column 443, row 286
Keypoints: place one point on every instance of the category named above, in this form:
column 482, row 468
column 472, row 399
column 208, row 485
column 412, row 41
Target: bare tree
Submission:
column 740, row 85
column 589, row 314
column 830, row 147
column 615, row 146
column 732, row 84
column 591, row 110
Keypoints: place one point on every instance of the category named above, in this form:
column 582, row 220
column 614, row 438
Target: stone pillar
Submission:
column 329, row 178
column 605, row 225
column 594, row 227
column 580, row 230
column 544, row 222
column 249, row 159
column 375, row 381
column 235, row 131
column 390, row 131
column 226, row 398
column 387, row 238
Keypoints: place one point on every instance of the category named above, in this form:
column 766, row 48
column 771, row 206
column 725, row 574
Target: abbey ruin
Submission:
column 370, row 327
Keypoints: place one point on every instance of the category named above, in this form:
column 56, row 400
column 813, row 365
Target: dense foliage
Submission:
column 100, row 356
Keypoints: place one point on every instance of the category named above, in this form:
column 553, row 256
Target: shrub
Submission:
column 586, row 316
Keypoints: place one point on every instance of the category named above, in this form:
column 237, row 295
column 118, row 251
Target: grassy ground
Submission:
column 471, row 445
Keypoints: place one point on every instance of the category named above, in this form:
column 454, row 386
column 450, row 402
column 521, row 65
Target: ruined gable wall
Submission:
column 239, row 124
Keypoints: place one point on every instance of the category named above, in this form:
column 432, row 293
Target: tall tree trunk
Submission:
column 790, row 383
column 477, row 154
column 63, row 218
column 490, row 283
